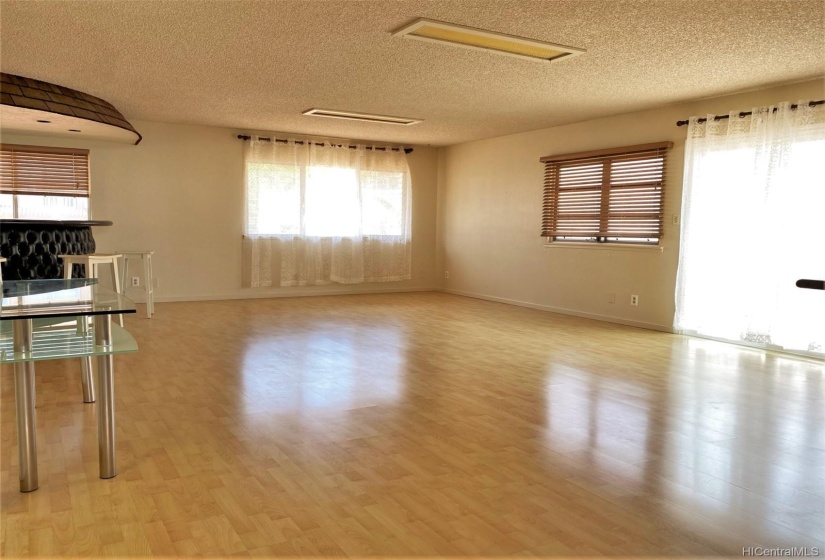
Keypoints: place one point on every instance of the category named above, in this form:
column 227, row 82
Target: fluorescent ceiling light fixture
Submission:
column 367, row 117
column 472, row 38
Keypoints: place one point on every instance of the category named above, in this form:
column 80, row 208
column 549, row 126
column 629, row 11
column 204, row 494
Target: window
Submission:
column 350, row 197
column 606, row 196
column 318, row 213
column 752, row 227
column 39, row 182
column 333, row 205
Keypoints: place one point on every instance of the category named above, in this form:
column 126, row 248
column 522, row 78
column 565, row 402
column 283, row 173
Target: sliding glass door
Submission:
column 753, row 223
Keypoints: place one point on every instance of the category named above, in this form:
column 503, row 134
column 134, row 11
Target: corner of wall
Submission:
column 441, row 185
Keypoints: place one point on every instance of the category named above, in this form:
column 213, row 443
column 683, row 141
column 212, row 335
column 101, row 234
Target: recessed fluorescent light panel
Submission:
column 359, row 116
column 472, row 38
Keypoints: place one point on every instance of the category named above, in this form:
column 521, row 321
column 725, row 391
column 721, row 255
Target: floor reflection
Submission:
column 731, row 434
column 328, row 366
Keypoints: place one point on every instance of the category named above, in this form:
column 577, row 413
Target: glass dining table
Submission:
column 49, row 320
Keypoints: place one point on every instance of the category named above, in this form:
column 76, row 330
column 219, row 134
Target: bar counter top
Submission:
column 63, row 223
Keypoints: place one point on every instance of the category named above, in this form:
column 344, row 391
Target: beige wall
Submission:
column 475, row 214
column 489, row 217
column 180, row 193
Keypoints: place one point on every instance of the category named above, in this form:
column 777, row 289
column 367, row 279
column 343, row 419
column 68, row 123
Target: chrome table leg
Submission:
column 86, row 371
column 106, row 402
column 24, row 398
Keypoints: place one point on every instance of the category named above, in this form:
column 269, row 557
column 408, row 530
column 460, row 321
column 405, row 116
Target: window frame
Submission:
column 641, row 161
column 45, row 178
column 303, row 173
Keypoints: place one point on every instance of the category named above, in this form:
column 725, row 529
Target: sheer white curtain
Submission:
column 321, row 214
column 752, row 224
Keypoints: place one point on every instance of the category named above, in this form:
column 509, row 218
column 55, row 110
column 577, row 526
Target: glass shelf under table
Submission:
column 59, row 338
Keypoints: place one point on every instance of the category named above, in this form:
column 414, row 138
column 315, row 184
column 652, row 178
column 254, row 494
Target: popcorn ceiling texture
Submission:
column 255, row 65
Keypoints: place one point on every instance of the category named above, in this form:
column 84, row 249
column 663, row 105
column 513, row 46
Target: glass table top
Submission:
column 38, row 299
column 13, row 288
column 54, row 307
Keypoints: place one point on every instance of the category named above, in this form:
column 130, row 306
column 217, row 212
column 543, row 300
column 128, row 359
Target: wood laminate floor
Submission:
column 421, row 425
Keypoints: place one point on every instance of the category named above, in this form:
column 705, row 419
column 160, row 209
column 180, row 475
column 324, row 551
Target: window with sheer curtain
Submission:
column 317, row 214
column 752, row 206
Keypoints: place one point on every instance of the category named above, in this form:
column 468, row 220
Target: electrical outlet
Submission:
column 446, row 274
column 675, row 220
column 611, row 297
column 634, row 300
column 135, row 281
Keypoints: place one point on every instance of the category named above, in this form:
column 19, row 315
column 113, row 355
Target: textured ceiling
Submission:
column 254, row 64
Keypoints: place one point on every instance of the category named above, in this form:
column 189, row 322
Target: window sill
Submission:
column 605, row 246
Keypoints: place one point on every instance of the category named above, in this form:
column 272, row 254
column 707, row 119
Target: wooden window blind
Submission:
column 612, row 195
column 44, row 170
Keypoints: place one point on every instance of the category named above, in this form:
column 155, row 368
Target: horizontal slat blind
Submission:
column 44, row 170
column 616, row 194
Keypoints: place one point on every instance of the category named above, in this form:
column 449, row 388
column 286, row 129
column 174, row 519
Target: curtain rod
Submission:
column 283, row 141
column 744, row 114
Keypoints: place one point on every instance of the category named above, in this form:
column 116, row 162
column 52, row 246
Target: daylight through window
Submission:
column 39, row 182
column 321, row 213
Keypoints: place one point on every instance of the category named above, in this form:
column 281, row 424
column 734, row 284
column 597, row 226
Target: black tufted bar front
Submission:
column 31, row 247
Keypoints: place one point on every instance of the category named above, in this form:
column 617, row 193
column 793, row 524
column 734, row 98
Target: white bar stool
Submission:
column 90, row 264
column 148, row 275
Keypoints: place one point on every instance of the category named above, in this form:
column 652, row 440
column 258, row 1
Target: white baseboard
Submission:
column 304, row 293
column 254, row 294
column 563, row 311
